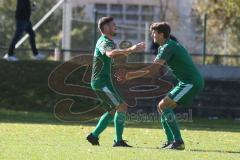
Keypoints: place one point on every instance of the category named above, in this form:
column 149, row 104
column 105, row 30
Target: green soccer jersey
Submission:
column 101, row 69
column 180, row 62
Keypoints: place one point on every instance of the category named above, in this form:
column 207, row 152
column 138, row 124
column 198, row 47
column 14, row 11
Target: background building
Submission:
column 133, row 16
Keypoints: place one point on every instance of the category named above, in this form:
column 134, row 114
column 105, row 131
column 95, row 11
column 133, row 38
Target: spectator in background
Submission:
column 23, row 24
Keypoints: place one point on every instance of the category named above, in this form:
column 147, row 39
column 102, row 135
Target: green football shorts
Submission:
column 184, row 93
column 109, row 96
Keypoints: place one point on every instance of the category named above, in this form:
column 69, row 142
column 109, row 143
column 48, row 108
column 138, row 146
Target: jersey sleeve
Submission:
column 164, row 53
column 106, row 46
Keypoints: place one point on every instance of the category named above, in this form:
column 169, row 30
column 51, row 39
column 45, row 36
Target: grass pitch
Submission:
column 36, row 136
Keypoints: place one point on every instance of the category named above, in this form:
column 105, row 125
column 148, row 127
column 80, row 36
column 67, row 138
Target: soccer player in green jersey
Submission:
column 101, row 82
column 190, row 81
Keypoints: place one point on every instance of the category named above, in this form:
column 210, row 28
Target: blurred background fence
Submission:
column 72, row 26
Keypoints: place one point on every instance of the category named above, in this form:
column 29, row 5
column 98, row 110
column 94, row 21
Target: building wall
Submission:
column 133, row 15
column 183, row 26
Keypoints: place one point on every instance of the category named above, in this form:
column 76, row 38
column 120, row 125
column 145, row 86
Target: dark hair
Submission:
column 161, row 27
column 172, row 37
column 103, row 21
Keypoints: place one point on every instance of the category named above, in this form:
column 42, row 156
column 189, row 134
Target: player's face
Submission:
column 157, row 37
column 112, row 28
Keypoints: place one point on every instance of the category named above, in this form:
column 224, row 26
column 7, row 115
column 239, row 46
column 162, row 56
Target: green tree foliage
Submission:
column 6, row 23
column 223, row 25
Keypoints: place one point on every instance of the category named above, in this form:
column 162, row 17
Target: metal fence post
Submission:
column 66, row 27
column 204, row 38
column 57, row 54
column 95, row 29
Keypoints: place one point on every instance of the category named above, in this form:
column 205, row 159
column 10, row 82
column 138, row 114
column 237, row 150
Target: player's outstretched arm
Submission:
column 147, row 71
column 135, row 48
column 123, row 75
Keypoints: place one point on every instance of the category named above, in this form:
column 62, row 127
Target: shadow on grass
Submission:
column 215, row 151
column 192, row 150
column 9, row 116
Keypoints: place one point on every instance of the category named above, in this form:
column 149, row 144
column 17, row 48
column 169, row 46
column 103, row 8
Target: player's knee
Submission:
column 161, row 105
column 166, row 102
column 122, row 108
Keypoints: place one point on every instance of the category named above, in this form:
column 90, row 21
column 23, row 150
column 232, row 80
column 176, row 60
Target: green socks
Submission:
column 119, row 122
column 102, row 124
column 169, row 118
column 167, row 130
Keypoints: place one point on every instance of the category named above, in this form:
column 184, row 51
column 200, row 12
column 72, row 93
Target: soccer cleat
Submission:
column 166, row 144
column 39, row 56
column 121, row 143
column 10, row 58
column 93, row 140
column 177, row 145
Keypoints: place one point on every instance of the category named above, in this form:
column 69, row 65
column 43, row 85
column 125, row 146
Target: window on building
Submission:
column 132, row 17
column 147, row 9
column 117, row 17
column 142, row 36
column 132, row 8
column 101, row 7
column 147, row 17
column 131, row 35
column 99, row 15
column 116, row 7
